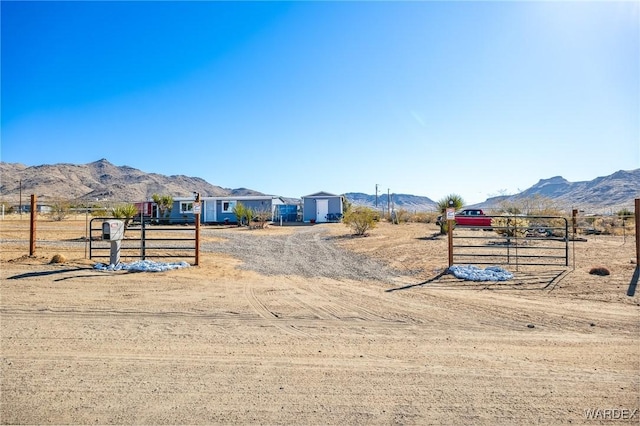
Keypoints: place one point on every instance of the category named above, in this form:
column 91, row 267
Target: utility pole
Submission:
column 389, row 202
column 376, row 196
column 20, row 205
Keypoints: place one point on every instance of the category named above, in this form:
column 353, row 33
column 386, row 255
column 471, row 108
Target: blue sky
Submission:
column 290, row 98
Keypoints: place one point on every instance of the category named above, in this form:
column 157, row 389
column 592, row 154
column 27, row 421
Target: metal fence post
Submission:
column 637, row 208
column 197, row 218
column 143, row 240
column 32, row 233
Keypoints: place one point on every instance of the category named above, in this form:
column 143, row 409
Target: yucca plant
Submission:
column 240, row 211
column 164, row 203
column 451, row 200
column 125, row 212
column 249, row 215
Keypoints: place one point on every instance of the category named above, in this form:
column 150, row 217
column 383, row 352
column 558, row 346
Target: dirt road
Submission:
column 308, row 326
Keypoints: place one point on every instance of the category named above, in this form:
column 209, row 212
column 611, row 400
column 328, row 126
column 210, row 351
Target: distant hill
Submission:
column 603, row 194
column 398, row 201
column 101, row 180
column 600, row 195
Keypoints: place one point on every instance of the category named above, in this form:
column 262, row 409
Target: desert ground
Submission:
column 309, row 325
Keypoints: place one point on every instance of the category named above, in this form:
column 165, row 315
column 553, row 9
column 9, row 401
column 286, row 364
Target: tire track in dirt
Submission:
column 311, row 249
column 261, row 309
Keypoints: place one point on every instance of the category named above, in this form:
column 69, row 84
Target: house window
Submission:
column 186, row 207
column 228, row 206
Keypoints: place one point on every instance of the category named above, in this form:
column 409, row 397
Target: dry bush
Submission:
column 424, row 217
column 400, row 216
column 59, row 210
column 58, row 258
column 360, row 220
column 510, row 226
column 600, row 270
column 262, row 217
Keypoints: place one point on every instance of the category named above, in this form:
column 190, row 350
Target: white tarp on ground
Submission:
column 142, row 266
column 473, row 273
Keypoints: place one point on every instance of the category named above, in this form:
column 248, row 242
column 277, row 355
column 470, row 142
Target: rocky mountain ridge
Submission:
column 602, row 194
column 100, row 181
column 103, row 181
column 395, row 201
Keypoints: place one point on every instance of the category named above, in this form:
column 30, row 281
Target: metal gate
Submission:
column 513, row 240
column 146, row 240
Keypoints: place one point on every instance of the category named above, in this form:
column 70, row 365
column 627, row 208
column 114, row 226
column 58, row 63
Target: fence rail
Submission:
column 146, row 240
column 514, row 240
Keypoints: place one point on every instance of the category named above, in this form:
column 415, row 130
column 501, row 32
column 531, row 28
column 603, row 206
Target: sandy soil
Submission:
column 221, row 343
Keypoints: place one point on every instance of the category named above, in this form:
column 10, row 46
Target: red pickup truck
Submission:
column 473, row 218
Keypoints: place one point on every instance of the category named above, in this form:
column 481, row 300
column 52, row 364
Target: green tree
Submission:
column 451, row 200
column 360, row 219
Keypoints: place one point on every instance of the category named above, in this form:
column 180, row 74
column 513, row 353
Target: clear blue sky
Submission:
column 290, row 98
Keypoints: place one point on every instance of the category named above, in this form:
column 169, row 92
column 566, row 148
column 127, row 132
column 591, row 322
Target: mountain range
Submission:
column 103, row 181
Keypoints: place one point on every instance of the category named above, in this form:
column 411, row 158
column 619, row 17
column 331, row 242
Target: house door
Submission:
column 210, row 211
column 322, row 209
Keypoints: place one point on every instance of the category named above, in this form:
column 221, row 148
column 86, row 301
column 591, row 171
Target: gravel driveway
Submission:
column 307, row 252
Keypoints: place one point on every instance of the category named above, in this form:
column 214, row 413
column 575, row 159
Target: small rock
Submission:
column 531, row 326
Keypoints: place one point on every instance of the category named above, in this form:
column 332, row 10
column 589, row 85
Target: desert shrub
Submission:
column 346, row 205
column 554, row 226
column 539, row 205
column 400, row 216
column 59, row 210
column 424, row 217
column 58, row 258
column 360, row 219
column 97, row 210
column 510, row 226
column 262, row 217
column 624, row 213
column 7, row 207
column 628, row 219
